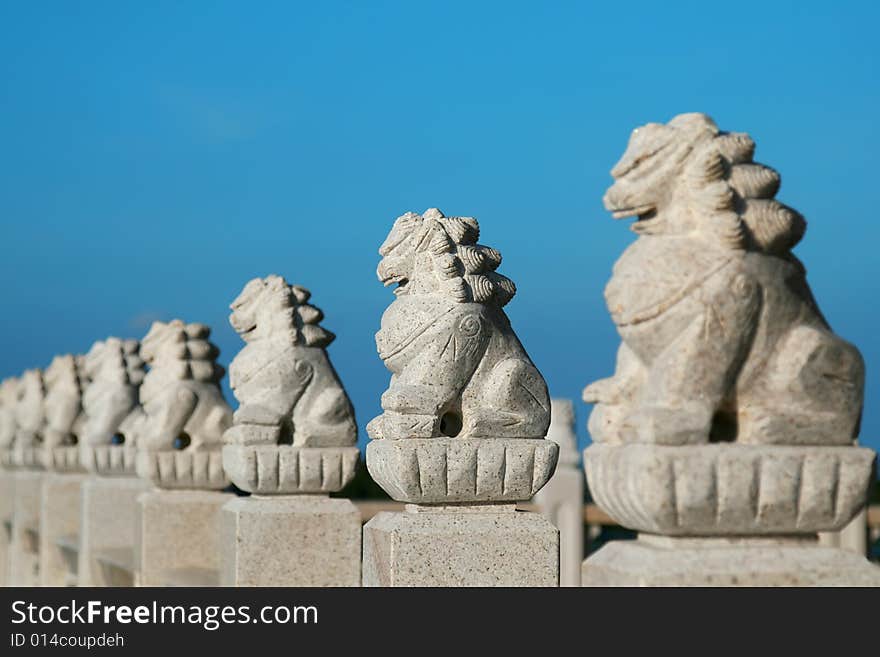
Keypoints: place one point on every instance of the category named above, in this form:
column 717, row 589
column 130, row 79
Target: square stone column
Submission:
column 107, row 530
column 177, row 537
column 7, row 495
column 462, row 545
column 290, row 540
column 753, row 561
column 59, row 528
column 25, row 544
column 561, row 500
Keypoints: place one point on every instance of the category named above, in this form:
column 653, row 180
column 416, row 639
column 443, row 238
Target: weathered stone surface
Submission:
column 469, row 545
column 661, row 561
column 561, row 500
column 853, row 537
column 179, row 434
column 59, row 523
column 285, row 469
column 64, row 416
column 177, row 537
column 24, row 549
column 115, row 371
column 721, row 337
column 294, row 431
column 291, row 540
column 457, row 367
column 29, row 419
column 463, row 422
column 107, row 530
column 445, row 470
column 8, row 424
column 729, row 489
column 7, row 497
column 734, row 409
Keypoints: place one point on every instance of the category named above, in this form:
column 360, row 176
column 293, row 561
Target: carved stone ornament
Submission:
column 733, row 408
column 466, row 412
column 180, row 434
column 294, row 430
column 64, row 416
column 115, row 371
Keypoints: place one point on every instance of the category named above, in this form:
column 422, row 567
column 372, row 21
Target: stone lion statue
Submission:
column 115, row 371
column 63, row 403
column 180, row 396
column 721, row 337
column 8, row 424
column 457, row 367
column 180, row 433
column 64, row 416
column 288, row 391
column 29, row 419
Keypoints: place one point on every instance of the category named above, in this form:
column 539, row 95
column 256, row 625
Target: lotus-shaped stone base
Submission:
column 183, row 469
column 285, row 469
column 64, row 458
column 108, row 459
column 729, row 489
column 449, row 470
column 25, row 457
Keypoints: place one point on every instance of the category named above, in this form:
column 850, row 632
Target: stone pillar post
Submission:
column 291, row 445
column 726, row 436
column 60, row 502
column 177, row 523
column 561, row 500
column 61, row 493
column 461, row 438
column 107, row 451
column 8, row 428
column 24, row 557
column 7, row 497
column 25, row 544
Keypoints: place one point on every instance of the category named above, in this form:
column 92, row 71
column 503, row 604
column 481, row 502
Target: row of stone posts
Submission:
column 726, row 437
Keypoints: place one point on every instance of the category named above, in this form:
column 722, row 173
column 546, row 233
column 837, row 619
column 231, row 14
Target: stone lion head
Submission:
column 270, row 307
column 431, row 253
column 686, row 176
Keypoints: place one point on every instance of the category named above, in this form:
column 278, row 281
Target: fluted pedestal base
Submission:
column 665, row 561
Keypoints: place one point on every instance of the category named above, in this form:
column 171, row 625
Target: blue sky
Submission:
column 156, row 156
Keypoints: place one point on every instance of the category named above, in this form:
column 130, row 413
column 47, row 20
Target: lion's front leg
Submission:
column 432, row 381
column 267, row 402
column 688, row 381
column 613, row 397
column 167, row 416
column 112, row 409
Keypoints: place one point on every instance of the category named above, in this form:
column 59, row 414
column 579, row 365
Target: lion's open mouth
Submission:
column 243, row 329
column 401, row 284
column 640, row 211
column 394, row 278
